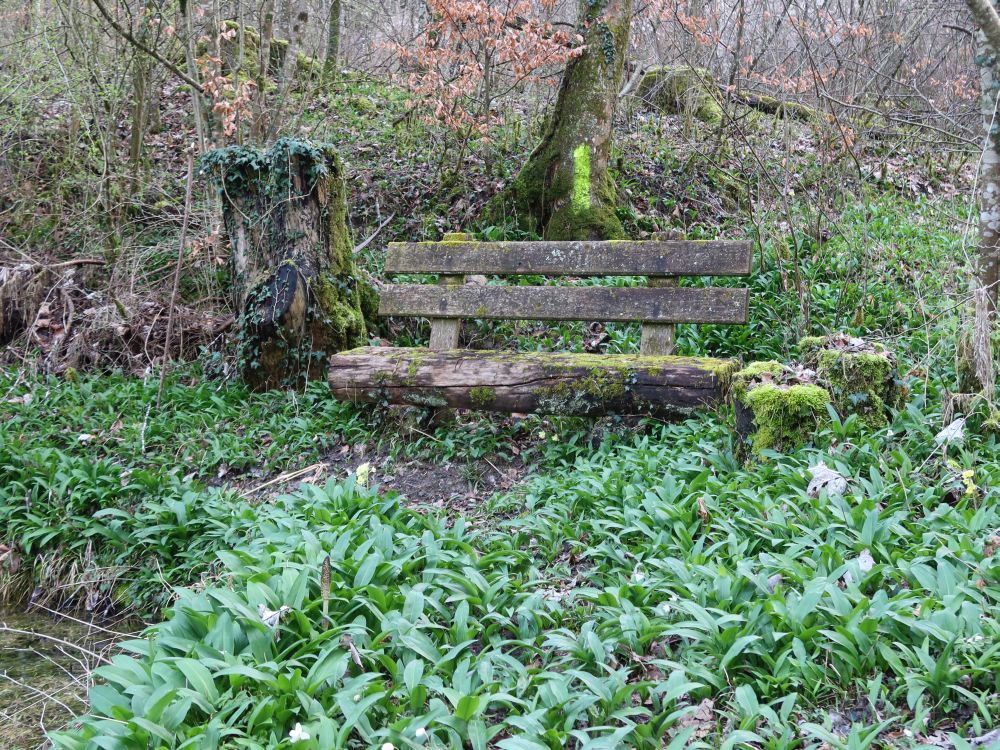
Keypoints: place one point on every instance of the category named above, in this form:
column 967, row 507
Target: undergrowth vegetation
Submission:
column 642, row 590
column 619, row 592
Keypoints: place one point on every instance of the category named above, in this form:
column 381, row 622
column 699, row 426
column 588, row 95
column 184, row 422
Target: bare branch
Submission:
column 130, row 38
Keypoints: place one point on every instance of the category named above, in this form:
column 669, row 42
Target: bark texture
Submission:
column 333, row 41
column 989, row 177
column 294, row 283
column 564, row 191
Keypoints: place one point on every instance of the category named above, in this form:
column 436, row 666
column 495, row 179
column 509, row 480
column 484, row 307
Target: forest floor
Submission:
column 525, row 583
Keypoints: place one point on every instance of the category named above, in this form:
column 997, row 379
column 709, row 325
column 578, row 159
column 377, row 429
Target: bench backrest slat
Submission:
column 661, row 305
column 583, row 258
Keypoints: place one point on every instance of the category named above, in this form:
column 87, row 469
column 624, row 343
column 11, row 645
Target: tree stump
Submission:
column 860, row 375
column 777, row 407
column 294, row 286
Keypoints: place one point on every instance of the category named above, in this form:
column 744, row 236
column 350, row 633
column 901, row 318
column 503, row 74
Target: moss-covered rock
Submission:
column 775, row 408
column 682, row 89
column 861, row 376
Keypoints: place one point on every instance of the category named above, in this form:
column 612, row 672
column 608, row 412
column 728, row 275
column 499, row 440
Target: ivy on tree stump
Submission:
column 294, row 285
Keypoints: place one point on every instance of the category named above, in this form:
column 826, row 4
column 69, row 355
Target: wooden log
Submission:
column 664, row 305
column 546, row 382
column 582, row 258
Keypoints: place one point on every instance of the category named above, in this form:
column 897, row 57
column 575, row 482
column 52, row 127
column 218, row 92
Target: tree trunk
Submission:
column 989, row 175
column 140, row 95
column 332, row 41
column 564, row 191
column 198, row 110
column 294, row 286
column 988, row 51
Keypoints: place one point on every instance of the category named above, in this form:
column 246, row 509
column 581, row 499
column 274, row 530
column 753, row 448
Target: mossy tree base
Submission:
column 544, row 382
column 295, row 287
column 564, row 190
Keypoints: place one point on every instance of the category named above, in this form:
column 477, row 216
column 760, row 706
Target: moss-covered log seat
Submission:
column 652, row 382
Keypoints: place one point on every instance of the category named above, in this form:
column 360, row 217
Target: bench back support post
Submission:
column 658, row 338
column 445, row 332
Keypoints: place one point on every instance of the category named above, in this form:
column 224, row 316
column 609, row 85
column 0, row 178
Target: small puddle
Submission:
column 45, row 668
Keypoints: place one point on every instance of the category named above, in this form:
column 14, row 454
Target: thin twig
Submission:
column 177, row 274
column 374, row 234
column 286, row 477
column 46, row 637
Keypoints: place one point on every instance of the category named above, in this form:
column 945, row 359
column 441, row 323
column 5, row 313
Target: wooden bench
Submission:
column 651, row 382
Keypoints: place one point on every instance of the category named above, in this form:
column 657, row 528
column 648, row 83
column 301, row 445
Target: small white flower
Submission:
column 357, row 698
column 298, row 733
column 388, row 746
column 421, row 732
column 665, row 608
column 638, row 576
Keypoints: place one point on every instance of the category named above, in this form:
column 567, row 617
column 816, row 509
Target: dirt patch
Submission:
column 458, row 488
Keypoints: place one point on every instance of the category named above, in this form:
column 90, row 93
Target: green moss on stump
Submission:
column 786, row 416
column 859, row 383
column 860, row 376
column 773, row 415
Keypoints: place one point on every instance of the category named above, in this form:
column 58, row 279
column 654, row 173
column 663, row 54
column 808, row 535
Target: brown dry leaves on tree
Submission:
column 476, row 52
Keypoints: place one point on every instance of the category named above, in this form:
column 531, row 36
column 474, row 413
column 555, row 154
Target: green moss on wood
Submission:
column 860, row 383
column 586, row 394
column 428, row 400
column 742, row 380
column 682, row 89
column 483, row 396
column 860, row 376
column 785, row 417
column 809, row 349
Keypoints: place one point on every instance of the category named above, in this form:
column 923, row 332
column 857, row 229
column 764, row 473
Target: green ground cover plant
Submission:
column 630, row 586
column 644, row 588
